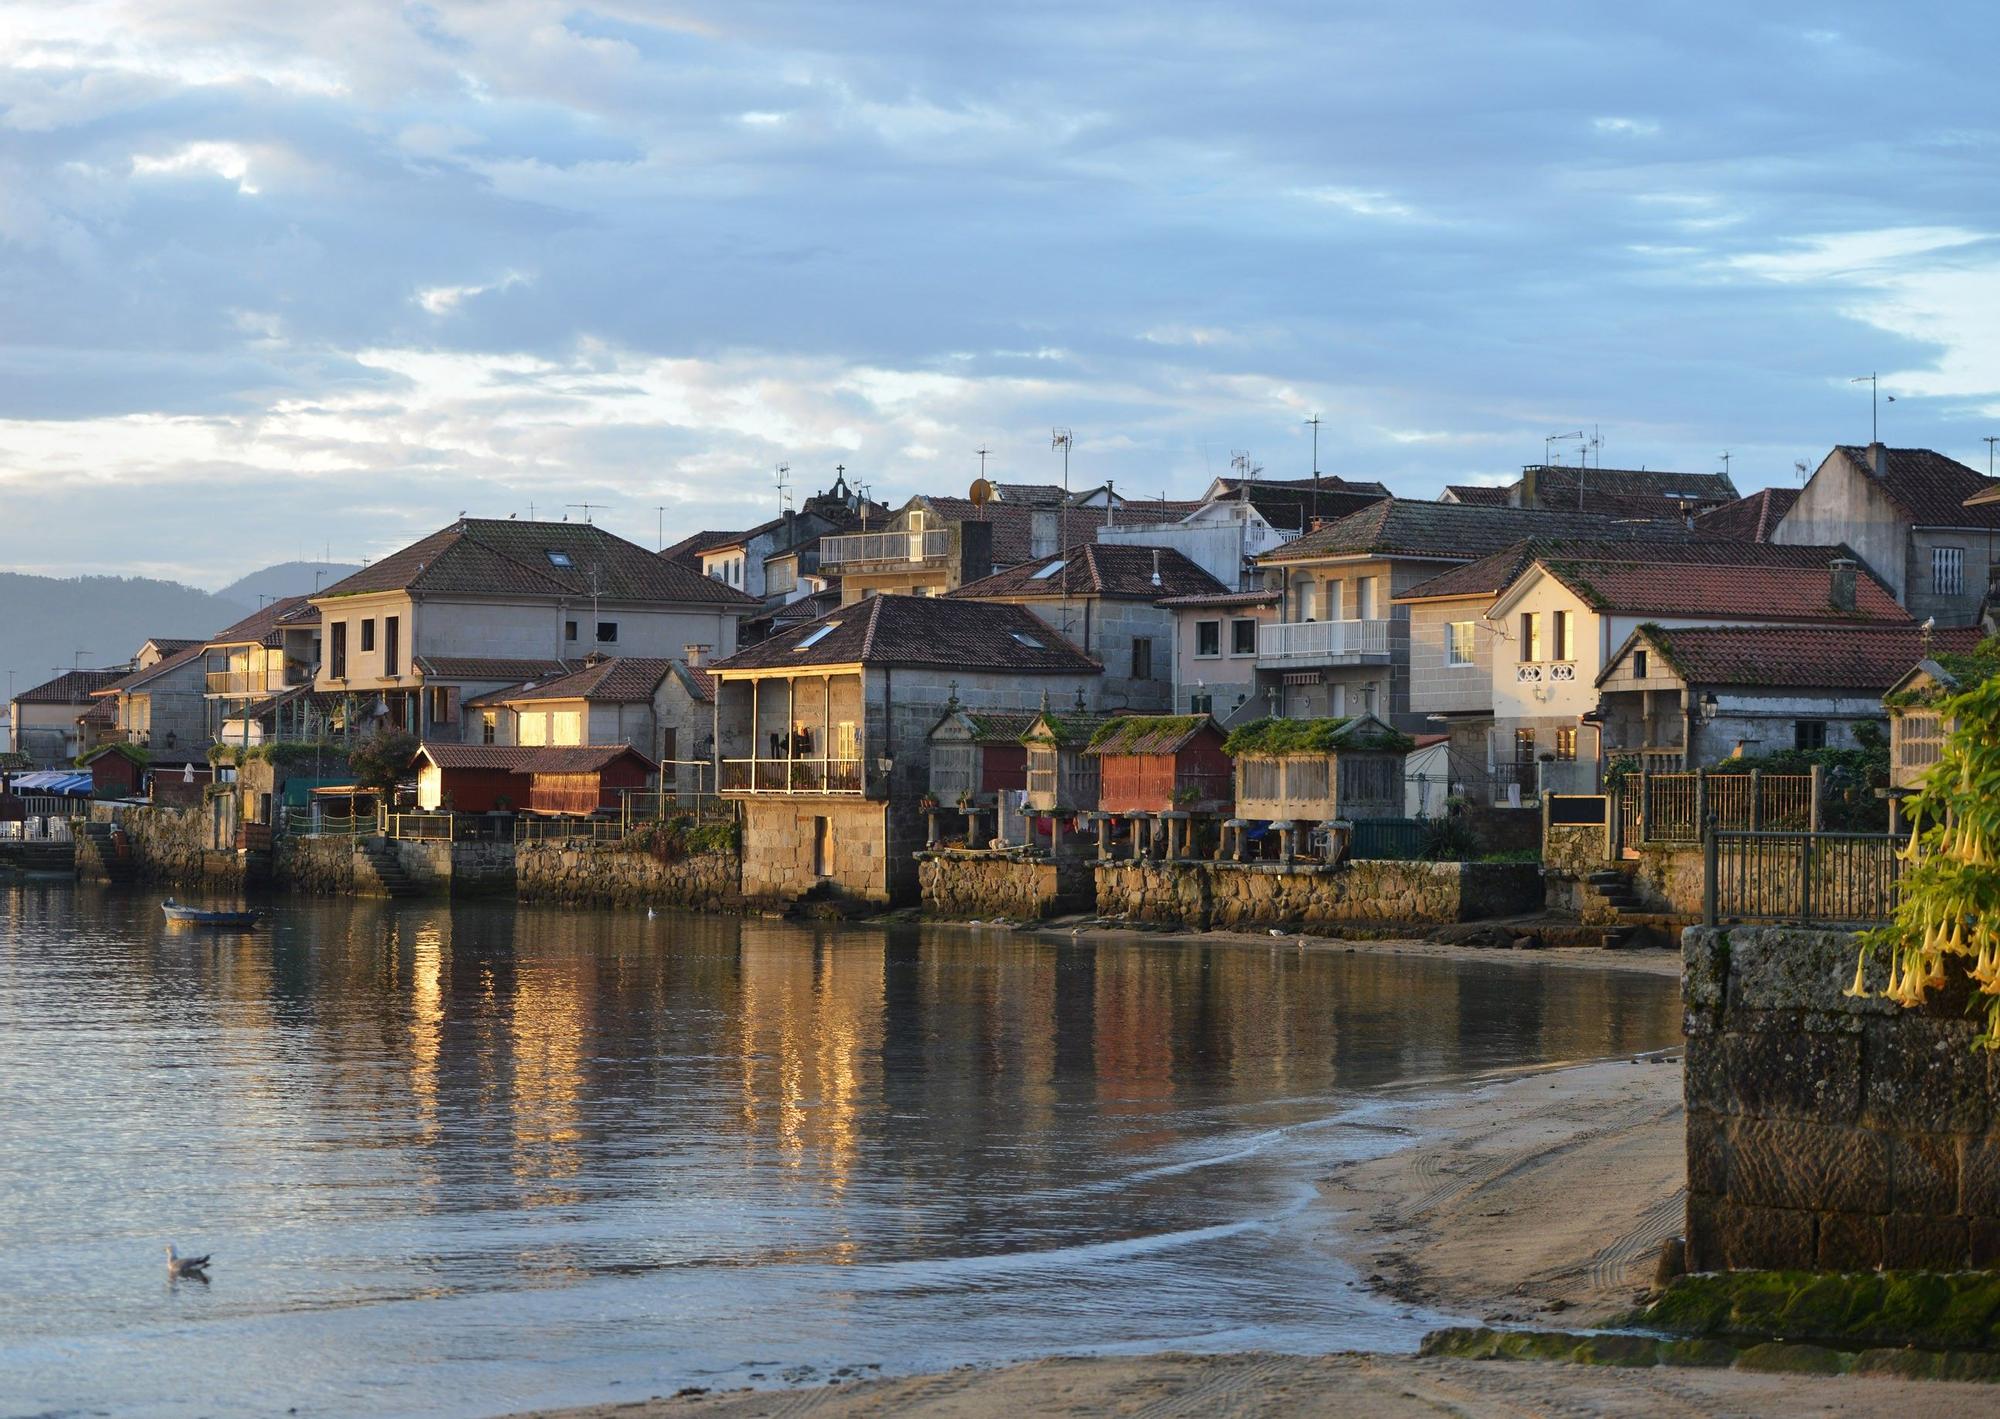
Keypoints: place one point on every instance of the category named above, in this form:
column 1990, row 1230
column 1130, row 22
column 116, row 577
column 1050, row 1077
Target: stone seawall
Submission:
column 603, row 876
column 168, row 847
column 990, row 885
column 1236, row 896
column 1830, row 1132
column 315, row 867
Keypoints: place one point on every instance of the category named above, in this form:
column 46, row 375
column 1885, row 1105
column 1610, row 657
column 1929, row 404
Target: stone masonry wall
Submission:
column 778, row 847
column 552, row 872
column 989, row 885
column 1236, row 896
column 317, row 867
column 1829, row 1132
column 168, row 847
column 1570, row 853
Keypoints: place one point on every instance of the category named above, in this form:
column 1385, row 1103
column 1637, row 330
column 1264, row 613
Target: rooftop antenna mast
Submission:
column 1725, row 463
column 1549, row 442
column 587, row 508
column 784, row 488
column 1060, row 441
column 1313, row 423
column 1874, row 383
column 1596, row 445
column 660, row 529
column 1991, row 439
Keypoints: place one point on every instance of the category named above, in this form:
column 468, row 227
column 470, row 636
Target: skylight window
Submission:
column 1050, row 570
column 559, row 559
column 819, row 635
column 1027, row 640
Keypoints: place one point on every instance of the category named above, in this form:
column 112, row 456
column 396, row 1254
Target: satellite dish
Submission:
column 981, row 492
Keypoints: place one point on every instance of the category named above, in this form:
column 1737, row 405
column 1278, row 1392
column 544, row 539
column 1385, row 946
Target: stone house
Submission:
column 823, row 731
column 269, row 654
column 1215, row 652
column 1688, row 697
column 663, row 708
column 1905, row 514
column 1557, row 625
column 1107, row 600
column 42, row 720
column 161, row 704
column 1340, row 644
column 487, row 603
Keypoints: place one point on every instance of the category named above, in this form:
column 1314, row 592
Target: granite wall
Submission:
column 993, row 885
column 606, row 876
column 315, row 867
column 168, row 847
column 1237, row 896
column 1830, row 1132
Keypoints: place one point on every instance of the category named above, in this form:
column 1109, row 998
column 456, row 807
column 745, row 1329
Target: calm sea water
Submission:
column 475, row 1159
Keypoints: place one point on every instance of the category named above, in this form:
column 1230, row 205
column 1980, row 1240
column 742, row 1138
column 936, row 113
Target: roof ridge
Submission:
column 485, row 546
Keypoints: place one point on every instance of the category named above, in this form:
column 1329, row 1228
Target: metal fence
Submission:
column 1394, row 838
column 311, row 823
column 1671, row 808
column 591, row 830
column 1806, row 878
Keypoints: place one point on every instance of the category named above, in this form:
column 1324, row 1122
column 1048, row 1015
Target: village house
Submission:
column 664, row 708
column 823, row 731
column 160, row 703
column 568, row 781
column 42, row 720
column 1684, row 698
column 487, row 603
column 1904, row 512
column 1239, row 520
column 257, row 659
column 1107, row 601
column 745, row 559
column 1557, row 625
column 1340, row 644
column 1215, row 651
column 1749, row 519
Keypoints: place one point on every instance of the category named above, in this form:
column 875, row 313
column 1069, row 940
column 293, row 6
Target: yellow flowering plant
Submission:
column 1950, row 889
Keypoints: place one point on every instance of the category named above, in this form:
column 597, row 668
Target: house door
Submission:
column 822, row 847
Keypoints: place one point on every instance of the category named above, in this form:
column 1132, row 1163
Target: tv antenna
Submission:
column 982, row 452
column 1991, row 439
column 1799, row 467
column 784, row 488
column 1313, row 423
column 1061, row 440
column 1551, row 440
column 1874, row 383
column 1596, row 445
column 1725, row 463
column 660, row 527
column 587, row 508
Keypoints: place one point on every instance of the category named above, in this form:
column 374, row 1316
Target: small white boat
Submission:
column 200, row 916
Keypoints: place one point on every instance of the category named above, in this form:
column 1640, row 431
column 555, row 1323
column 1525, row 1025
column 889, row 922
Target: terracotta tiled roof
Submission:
column 1451, row 531
column 1033, row 494
column 618, row 679
column 266, row 626
column 72, row 687
column 1868, row 659
column 1290, row 503
column 1150, row 733
column 523, row 759
column 1119, row 571
column 806, row 608
column 700, row 683
column 168, row 645
column 1751, row 519
column 1777, row 590
column 165, row 665
column 1557, row 481
column 1930, row 488
column 1222, row 600
column 687, row 552
column 920, row 630
column 476, row 668
column 1489, row 576
column 504, row 557
column 103, row 712
column 1474, row 495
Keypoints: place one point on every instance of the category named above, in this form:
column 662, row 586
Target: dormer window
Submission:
column 817, row 636
column 558, row 559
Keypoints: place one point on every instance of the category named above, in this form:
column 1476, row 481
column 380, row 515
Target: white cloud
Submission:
column 229, row 161
column 1356, row 201
column 1853, row 256
column 1627, row 127
column 443, row 300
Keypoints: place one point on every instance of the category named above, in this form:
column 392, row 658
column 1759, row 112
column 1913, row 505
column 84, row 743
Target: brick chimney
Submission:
column 1841, row 590
column 1524, row 496
column 695, row 654
column 1878, row 459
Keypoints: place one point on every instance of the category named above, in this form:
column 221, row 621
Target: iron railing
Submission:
column 1399, row 839
column 932, row 545
column 251, row 682
column 592, row 830
column 1800, row 878
column 1671, row 808
column 1321, row 642
column 800, row 775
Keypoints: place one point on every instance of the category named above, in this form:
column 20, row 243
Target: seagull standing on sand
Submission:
column 190, row 1268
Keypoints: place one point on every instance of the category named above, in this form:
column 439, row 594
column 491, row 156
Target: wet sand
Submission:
column 1541, row 1197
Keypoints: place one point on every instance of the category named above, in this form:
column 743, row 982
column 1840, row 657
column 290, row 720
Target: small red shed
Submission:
column 1163, row 763
column 116, row 771
column 568, row 779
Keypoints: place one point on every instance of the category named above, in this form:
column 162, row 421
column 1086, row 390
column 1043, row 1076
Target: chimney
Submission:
column 975, row 551
column 1841, row 592
column 1044, row 531
column 695, row 654
column 1525, row 495
column 1878, row 459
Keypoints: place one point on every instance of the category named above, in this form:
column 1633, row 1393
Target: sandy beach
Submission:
column 1541, row 1197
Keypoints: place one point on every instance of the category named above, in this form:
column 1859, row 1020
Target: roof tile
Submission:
column 920, row 630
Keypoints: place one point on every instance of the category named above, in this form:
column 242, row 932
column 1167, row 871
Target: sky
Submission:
column 285, row 280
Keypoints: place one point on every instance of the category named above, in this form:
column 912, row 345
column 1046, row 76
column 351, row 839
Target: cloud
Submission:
column 228, row 161
column 1355, row 201
column 1627, row 127
column 443, row 300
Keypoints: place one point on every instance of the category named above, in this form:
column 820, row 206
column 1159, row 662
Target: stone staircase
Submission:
column 37, row 856
column 377, row 867
column 97, row 856
column 1631, row 922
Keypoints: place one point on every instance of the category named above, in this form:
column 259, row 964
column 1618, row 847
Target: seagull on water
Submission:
column 191, row 1268
column 1278, row 933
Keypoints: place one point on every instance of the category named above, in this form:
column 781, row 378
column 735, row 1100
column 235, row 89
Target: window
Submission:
column 1524, row 746
column 489, row 727
column 1050, row 570
column 1208, row 638
column 1302, row 596
column 444, row 704
column 1334, row 599
column 391, row 645
column 569, row 630
column 558, row 559
column 817, row 635
column 1638, row 665
column 1364, row 598
column 1531, row 636
column 1201, row 704
column 1808, row 734
column 1243, row 637
column 1565, row 636
column 1142, row 657
column 367, row 636
column 670, row 751
column 822, row 847
column 1458, row 643
column 1023, row 638
column 1947, row 571
column 1566, row 743
column 566, row 727
column 532, row 730
column 607, row 633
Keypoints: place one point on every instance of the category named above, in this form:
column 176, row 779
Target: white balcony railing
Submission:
column 1322, row 642
column 854, row 547
column 842, row 776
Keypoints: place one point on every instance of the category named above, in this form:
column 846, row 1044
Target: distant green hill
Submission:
column 286, row 579
column 45, row 620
